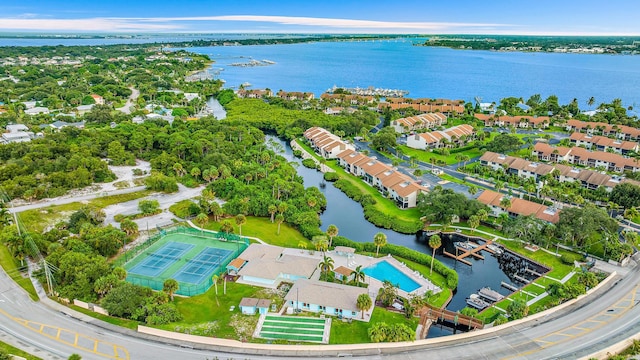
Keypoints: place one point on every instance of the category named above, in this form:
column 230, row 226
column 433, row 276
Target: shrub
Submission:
column 297, row 153
column 310, row 163
column 568, row 259
column 331, row 176
column 184, row 209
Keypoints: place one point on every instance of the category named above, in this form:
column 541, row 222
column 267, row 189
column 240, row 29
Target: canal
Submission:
column 347, row 215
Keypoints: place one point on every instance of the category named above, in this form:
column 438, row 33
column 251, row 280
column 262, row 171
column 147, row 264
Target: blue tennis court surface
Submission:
column 158, row 261
column 202, row 265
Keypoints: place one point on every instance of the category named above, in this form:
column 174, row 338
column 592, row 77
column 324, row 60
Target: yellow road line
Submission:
column 39, row 328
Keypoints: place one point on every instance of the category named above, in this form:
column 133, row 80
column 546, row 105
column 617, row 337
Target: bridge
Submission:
column 431, row 314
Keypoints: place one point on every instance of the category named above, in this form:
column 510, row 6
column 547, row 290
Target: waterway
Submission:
column 347, row 215
column 431, row 72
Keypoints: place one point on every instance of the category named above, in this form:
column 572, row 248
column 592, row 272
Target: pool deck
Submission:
column 354, row 260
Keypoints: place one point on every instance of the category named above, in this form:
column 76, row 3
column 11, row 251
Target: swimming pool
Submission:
column 385, row 271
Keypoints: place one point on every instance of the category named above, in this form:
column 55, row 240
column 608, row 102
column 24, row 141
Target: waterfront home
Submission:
column 580, row 156
column 455, row 136
column 254, row 93
column 448, row 107
column 268, row 266
column 326, row 298
column 249, row 306
column 418, row 122
column 517, row 207
column 325, row 143
column 295, row 95
column 603, row 143
column 392, row 183
column 520, row 121
column 539, row 172
column 348, row 99
column 621, row 132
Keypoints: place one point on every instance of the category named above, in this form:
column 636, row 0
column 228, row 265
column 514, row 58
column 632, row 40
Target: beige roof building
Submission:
column 267, row 265
column 330, row 298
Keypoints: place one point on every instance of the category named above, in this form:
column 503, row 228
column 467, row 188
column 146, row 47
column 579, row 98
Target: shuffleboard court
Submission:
column 294, row 328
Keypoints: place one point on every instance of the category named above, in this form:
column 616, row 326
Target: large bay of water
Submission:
column 432, row 72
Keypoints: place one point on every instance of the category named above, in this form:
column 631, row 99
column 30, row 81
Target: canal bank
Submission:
column 348, row 216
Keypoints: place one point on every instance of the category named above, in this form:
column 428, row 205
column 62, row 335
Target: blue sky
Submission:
column 555, row 17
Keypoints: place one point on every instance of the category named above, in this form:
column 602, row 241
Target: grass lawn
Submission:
column 426, row 156
column 357, row 331
column 15, row 351
column 12, row 266
column 37, row 220
column 210, row 307
column 263, row 229
column 383, row 204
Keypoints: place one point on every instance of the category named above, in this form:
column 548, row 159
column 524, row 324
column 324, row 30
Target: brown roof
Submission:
column 520, row 206
column 343, row 271
column 237, row 263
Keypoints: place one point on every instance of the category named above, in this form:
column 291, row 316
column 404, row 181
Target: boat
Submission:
column 496, row 249
column 245, row 84
column 464, row 245
column 268, row 62
column 491, row 295
column 475, row 301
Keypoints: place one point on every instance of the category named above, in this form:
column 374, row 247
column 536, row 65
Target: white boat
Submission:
column 475, row 301
column 464, row 245
column 495, row 248
column 491, row 295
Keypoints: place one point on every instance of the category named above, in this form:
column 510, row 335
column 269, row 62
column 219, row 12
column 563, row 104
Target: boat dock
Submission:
column 470, row 252
column 436, row 314
column 508, row 286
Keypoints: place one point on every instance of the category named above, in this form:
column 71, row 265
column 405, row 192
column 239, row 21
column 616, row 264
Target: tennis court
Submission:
column 294, row 328
column 198, row 268
column 158, row 261
column 189, row 256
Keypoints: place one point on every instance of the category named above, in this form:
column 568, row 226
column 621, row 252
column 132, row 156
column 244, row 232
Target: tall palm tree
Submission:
column 272, row 211
column 326, row 265
column 364, row 303
column 434, row 243
column 170, row 286
column 279, row 221
column 240, row 220
column 379, row 239
column 202, row 219
column 358, row 275
column 332, row 231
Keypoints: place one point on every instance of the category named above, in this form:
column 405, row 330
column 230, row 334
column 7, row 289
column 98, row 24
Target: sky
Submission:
column 537, row 17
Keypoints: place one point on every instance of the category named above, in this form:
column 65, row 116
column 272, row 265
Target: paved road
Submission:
column 576, row 331
column 130, row 101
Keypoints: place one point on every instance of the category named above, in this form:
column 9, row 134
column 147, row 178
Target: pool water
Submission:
column 385, row 271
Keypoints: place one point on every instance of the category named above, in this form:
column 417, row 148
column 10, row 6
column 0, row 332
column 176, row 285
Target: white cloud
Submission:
column 87, row 24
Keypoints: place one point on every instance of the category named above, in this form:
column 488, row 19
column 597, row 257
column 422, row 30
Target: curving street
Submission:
column 607, row 316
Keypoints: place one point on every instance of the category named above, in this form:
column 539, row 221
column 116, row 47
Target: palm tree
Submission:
column 434, row 243
column 358, row 275
column 472, row 189
column 170, row 286
column 214, row 278
column 364, row 303
column 129, row 227
column 279, row 220
column 179, row 170
column 120, row 273
column 326, row 265
column 379, row 239
column 226, row 227
column 474, row 222
column 240, row 220
column 272, row 211
column 591, row 101
column 505, row 202
column 499, row 185
column 483, row 215
column 202, row 220
column 332, row 231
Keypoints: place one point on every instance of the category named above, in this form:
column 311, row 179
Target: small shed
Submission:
column 344, row 274
column 235, row 265
column 249, row 306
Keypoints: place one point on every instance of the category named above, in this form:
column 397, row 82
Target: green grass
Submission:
column 129, row 324
column 210, row 307
column 426, row 156
column 266, row 231
column 15, row 351
column 37, row 220
column 383, row 204
column 356, row 332
column 12, row 267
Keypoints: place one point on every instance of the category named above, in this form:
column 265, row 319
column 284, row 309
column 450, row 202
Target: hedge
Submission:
column 374, row 215
column 331, row 176
column 310, row 163
column 405, row 253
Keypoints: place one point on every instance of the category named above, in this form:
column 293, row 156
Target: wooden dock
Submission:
column 473, row 252
column 508, row 286
column 435, row 314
